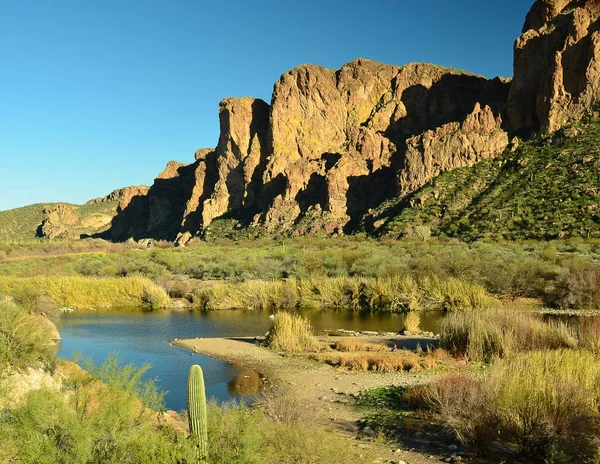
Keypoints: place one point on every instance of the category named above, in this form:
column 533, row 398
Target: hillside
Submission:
column 544, row 189
column 56, row 220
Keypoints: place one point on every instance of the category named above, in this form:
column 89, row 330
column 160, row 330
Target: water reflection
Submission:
column 246, row 383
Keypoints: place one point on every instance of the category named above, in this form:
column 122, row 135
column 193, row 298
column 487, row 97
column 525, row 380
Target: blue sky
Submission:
column 97, row 95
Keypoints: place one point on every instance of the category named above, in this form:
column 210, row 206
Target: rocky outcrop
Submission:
column 332, row 145
column 338, row 138
column 556, row 66
column 452, row 145
column 121, row 195
column 74, row 222
column 240, row 157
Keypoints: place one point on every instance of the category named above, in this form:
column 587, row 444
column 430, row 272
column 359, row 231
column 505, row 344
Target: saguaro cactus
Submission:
column 197, row 411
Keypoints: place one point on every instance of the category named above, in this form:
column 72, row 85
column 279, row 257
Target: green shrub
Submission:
column 23, row 343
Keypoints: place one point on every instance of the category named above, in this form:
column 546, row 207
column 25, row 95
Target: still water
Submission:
column 139, row 337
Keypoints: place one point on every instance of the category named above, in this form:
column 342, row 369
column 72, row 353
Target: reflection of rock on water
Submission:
column 247, row 382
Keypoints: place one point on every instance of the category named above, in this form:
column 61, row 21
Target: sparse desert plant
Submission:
column 281, row 406
column 291, row 333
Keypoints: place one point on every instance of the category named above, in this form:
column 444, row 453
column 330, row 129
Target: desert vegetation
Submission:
column 108, row 413
column 517, row 386
column 343, row 273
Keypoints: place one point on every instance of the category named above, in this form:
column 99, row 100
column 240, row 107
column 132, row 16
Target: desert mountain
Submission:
column 334, row 147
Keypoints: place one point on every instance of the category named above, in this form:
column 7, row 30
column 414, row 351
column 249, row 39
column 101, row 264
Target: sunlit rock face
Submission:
column 556, row 66
column 333, row 144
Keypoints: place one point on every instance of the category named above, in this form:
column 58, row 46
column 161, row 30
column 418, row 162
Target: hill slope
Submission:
column 541, row 190
column 56, row 220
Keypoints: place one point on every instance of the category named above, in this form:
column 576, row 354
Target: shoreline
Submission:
column 326, row 391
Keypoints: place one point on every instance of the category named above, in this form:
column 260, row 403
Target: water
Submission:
column 139, row 337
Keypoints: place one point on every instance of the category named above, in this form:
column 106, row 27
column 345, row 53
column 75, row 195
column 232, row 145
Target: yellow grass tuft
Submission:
column 292, row 333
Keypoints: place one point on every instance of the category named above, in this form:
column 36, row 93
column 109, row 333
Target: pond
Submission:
column 139, row 337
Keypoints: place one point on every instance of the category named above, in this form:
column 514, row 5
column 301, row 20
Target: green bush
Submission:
column 23, row 343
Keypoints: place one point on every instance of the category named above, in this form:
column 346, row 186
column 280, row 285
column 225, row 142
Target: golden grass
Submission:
column 292, row 333
column 356, row 344
column 412, row 322
column 83, row 292
column 390, row 361
column 483, row 335
column 398, row 293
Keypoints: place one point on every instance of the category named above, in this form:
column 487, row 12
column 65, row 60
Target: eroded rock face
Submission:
column 338, row 138
column 59, row 221
column 334, row 144
column 556, row 64
column 240, row 157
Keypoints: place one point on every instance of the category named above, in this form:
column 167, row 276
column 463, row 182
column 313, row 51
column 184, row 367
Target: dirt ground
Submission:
column 325, row 388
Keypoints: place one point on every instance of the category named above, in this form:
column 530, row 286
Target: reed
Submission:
column 83, row 292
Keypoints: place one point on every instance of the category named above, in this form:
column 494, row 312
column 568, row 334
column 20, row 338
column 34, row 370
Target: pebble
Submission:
column 452, row 448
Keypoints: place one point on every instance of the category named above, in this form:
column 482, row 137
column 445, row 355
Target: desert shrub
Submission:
column 291, row 333
column 95, row 422
column 482, row 335
column 544, row 403
column 578, row 286
column 281, row 406
column 464, row 405
column 554, row 407
column 23, row 342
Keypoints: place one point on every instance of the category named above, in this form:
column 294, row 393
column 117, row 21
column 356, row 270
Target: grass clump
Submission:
column 483, row 335
column 83, row 292
column 412, row 322
column 291, row 333
column 399, row 293
column 544, row 403
column 388, row 361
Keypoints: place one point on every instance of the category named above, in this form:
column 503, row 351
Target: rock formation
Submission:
column 556, row 66
column 334, row 144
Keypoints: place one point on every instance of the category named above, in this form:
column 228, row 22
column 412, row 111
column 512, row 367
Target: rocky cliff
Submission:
column 334, row 144
column 556, row 66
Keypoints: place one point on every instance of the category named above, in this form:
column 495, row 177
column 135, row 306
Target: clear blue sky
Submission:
column 96, row 95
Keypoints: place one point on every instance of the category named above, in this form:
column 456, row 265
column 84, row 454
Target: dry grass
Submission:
column 292, row 333
column 544, row 403
column 401, row 360
column 83, row 292
column 350, row 344
column 356, row 344
column 412, row 322
column 483, row 335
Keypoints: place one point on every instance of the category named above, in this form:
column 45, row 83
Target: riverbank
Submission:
column 327, row 391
